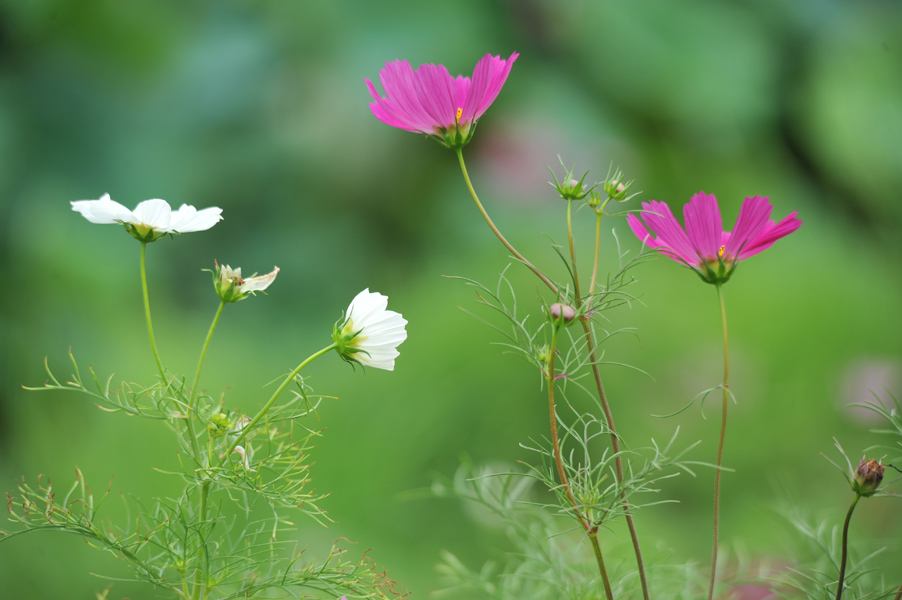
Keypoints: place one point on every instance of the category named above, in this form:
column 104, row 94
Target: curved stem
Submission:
column 193, row 394
column 723, row 428
column 590, row 528
column 491, row 225
column 845, row 548
column 153, row 343
column 250, row 426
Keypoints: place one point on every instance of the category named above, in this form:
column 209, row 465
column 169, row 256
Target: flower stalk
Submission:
column 153, row 343
column 253, row 423
column 845, row 549
column 488, row 220
column 192, row 404
column 723, row 428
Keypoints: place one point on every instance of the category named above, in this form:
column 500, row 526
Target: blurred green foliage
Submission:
column 260, row 108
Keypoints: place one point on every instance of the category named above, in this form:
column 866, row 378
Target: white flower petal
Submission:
column 187, row 219
column 258, row 284
column 103, row 211
column 379, row 331
column 154, row 214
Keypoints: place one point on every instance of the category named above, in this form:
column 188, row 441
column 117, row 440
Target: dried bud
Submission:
column 562, row 313
column 867, row 477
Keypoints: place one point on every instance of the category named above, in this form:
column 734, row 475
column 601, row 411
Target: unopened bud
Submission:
column 867, row 477
column 562, row 313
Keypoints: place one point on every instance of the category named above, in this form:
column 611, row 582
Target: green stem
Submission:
column 595, row 260
column 723, row 428
column 200, row 587
column 590, row 528
column 491, row 225
column 250, row 426
column 593, row 537
column 572, row 251
column 153, row 343
column 845, row 550
column 192, row 407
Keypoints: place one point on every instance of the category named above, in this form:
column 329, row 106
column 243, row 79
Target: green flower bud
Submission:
column 615, row 187
column 570, row 188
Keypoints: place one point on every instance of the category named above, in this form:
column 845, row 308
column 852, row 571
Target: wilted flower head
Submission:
column 867, row 477
column 230, row 287
column 151, row 219
column 704, row 246
column 369, row 334
column 429, row 100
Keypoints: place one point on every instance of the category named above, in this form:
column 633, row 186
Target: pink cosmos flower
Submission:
column 429, row 100
column 704, row 246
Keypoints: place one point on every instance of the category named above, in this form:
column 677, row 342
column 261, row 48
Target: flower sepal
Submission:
column 715, row 272
column 569, row 188
column 458, row 136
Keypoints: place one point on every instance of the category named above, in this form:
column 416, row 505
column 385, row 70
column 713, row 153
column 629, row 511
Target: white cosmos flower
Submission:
column 230, row 287
column 151, row 219
column 370, row 334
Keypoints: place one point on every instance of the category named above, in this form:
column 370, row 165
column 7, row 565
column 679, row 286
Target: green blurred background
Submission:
column 260, row 108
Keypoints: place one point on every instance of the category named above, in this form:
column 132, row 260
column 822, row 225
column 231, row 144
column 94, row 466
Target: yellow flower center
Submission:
column 720, row 252
column 460, row 111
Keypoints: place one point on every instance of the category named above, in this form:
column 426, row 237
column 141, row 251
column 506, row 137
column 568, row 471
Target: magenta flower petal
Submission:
column 704, row 247
column 671, row 236
column 703, row 225
column 753, row 216
column 489, row 77
column 429, row 100
column 770, row 233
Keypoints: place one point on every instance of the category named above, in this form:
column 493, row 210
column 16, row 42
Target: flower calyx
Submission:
column 867, row 477
column 569, row 188
column 231, row 287
column 615, row 187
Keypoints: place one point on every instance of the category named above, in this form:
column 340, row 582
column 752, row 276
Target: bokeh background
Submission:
column 260, row 108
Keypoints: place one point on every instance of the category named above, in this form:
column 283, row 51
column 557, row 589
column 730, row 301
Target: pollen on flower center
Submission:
column 721, row 250
column 460, row 111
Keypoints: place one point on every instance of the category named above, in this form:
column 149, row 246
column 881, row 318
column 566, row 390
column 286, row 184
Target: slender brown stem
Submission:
column 602, row 396
column 491, row 225
column 590, row 528
column 723, row 428
column 899, row 595
column 845, row 550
